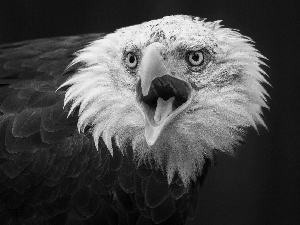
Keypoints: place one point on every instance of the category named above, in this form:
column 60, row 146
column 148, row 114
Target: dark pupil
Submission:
column 131, row 59
column 195, row 57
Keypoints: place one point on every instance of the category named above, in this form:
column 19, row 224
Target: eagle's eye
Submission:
column 131, row 60
column 195, row 58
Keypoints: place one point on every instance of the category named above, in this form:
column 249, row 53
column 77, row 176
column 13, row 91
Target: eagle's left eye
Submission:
column 195, row 58
column 131, row 60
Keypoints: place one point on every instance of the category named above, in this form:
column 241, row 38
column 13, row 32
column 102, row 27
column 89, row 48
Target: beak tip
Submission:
column 150, row 143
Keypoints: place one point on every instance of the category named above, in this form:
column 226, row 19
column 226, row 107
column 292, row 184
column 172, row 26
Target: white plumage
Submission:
column 226, row 96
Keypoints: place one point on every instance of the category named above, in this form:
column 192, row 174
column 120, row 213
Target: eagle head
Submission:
column 175, row 89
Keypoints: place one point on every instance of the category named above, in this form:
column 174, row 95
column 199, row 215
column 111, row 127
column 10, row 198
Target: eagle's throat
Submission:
column 166, row 98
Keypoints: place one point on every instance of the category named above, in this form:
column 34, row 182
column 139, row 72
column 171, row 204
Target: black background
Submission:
column 260, row 185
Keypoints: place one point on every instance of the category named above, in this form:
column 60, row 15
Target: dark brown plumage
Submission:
column 121, row 128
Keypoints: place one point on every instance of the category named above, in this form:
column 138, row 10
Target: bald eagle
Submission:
column 120, row 128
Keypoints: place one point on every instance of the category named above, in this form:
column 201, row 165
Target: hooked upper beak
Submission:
column 160, row 95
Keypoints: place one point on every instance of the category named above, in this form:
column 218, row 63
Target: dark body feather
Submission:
column 50, row 173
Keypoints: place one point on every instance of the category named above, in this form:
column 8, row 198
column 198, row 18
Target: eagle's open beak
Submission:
column 160, row 95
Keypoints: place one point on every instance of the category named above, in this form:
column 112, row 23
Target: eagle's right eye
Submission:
column 195, row 58
column 131, row 60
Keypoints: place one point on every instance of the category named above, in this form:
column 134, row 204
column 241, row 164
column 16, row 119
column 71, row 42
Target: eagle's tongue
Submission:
column 163, row 109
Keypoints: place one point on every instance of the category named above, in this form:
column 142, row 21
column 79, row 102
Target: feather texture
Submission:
column 51, row 173
column 72, row 132
column 228, row 99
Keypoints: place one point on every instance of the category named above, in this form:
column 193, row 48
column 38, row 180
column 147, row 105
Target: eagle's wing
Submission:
column 51, row 172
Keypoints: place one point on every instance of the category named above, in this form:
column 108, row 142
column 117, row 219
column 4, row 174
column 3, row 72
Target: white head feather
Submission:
column 229, row 97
